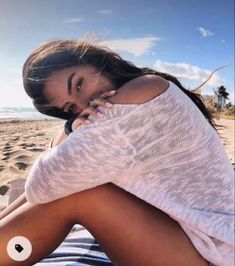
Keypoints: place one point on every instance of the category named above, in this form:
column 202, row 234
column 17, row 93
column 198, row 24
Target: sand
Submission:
column 22, row 141
column 226, row 132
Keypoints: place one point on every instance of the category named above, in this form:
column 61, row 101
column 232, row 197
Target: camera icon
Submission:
column 19, row 248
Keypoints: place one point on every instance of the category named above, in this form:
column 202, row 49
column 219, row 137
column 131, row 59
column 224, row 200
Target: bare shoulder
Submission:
column 140, row 90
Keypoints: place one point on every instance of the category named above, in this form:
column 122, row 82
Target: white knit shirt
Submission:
column 163, row 151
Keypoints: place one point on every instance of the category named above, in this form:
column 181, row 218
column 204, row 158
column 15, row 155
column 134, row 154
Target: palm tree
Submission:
column 221, row 96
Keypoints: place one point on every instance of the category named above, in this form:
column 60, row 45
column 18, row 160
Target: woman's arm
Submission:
column 13, row 206
column 140, row 90
column 59, row 138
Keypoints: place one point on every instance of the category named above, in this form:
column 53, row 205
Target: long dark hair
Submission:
column 58, row 54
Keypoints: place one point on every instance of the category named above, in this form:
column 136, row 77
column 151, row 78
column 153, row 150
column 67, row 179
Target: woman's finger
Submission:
column 90, row 110
column 107, row 94
column 100, row 102
column 80, row 121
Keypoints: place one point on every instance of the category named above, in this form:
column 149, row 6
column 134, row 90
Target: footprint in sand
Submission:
column 15, row 139
column 7, row 147
column 2, row 167
column 3, row 190
column 40, row 134
column 24, row 158
column 9, row 153
column 18, row 167
column 21, row 166
column 37, row 150
column 26, row 145
column 6, row 158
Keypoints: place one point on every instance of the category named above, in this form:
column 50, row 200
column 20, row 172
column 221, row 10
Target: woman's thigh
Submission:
column 133, row 232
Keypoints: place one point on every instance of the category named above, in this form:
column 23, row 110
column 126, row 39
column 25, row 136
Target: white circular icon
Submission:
column 19, row 248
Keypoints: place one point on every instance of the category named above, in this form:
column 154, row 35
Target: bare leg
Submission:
column 130, row 231
column 45, row 225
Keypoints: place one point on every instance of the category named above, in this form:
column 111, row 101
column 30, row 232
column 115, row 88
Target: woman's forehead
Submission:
column 62, row 73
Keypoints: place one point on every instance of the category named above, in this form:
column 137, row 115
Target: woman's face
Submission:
column 71, row 89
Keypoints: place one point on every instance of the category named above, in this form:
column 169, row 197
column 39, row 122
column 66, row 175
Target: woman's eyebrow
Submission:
column 69, row 87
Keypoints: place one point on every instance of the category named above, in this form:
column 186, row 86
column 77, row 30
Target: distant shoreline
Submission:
column 21, row 113
column 24, row 119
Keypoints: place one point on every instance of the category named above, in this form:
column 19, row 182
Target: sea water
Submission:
column 21, row 113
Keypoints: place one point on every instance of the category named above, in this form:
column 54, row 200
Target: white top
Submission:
column 163, row 151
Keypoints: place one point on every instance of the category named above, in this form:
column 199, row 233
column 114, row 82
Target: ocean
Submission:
column 21, row 113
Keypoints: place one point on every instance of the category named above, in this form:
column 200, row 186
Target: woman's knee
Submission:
column 75, row 206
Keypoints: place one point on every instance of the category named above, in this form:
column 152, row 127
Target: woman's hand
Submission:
column 81, row 119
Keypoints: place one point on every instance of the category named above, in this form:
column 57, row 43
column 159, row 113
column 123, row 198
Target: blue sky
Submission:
column 188, row 39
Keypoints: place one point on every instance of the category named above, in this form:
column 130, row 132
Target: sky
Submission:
column 186, row 38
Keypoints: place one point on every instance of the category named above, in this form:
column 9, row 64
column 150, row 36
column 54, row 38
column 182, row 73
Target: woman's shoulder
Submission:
column 140, row 90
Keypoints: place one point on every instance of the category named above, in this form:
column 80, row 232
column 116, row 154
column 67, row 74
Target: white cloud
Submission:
column 105, row 11
column 73, row 20
column 188, row 72
column 137, row 46
column 223, row 41
column 204, row 32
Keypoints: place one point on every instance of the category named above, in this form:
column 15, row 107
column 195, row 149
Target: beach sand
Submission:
column 22, row 141
column 226, row 132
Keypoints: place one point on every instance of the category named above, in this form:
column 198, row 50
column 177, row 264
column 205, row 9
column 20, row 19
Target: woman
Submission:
column 156, row 142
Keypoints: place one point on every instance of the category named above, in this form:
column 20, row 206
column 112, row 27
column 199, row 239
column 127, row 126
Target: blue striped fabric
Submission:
column 78, row 249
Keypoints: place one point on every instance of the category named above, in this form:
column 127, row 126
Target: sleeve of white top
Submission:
column 90, row 156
